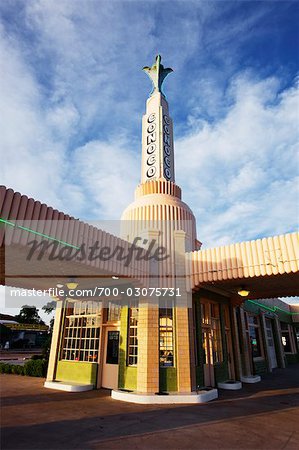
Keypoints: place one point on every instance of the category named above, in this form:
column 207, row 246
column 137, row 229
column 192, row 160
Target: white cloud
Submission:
column 72, row 103
column 249, row 177
column 32, row 158
column 242, row 168
column 104, row 170
column 11, row 305
column 63, row 89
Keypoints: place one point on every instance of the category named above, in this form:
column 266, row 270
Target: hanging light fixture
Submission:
column 72, row 283
column 243, row 292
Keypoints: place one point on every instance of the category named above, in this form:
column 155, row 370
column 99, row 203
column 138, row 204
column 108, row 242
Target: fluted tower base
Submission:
column 158, row 206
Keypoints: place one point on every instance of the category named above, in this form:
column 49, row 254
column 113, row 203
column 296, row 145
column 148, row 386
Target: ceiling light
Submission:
column 72, row 283
column 243, row 292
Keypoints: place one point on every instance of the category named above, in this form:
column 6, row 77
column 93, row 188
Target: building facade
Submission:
column 200, row 336
column 15, row 335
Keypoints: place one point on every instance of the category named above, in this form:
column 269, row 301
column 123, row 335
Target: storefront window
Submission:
column 82, row 331
column 211, row 329
column 132, row 337
column 205, row 314
column 286, row 337
column 166, row 337
column 254, row 335
column 113, row 312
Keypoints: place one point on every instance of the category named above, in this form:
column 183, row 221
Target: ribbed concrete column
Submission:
column 183, row 360
column 235, row 343
column 148, row 332
column 148, row 348
column 54, row 352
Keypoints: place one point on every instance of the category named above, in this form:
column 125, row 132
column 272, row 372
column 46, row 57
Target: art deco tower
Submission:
column 157, row 197
column 158, row 214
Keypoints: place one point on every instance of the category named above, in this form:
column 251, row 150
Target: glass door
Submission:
column 110, row 362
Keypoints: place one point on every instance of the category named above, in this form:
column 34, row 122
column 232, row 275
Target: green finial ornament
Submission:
column 157, row 73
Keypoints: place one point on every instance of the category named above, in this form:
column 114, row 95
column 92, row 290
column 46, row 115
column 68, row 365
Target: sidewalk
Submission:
column 18, row 353
column 260, row 416
column 18, row 356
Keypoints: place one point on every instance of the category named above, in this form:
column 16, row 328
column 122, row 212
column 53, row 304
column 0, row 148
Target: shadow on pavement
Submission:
column 84, row 426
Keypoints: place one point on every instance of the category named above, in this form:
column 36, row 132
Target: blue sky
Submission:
column 73, row 94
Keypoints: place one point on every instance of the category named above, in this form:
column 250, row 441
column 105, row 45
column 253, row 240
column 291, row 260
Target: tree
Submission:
column 29, row 314
column 49, row 308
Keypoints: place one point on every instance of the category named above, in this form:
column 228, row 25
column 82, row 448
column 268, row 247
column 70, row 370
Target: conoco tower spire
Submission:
column 157, row 73
column 158, row 205
column 157, row 130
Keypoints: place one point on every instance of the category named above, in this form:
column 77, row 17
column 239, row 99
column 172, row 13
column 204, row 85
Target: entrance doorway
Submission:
column 270, row 344
column 110, row 361
column 211, row 340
